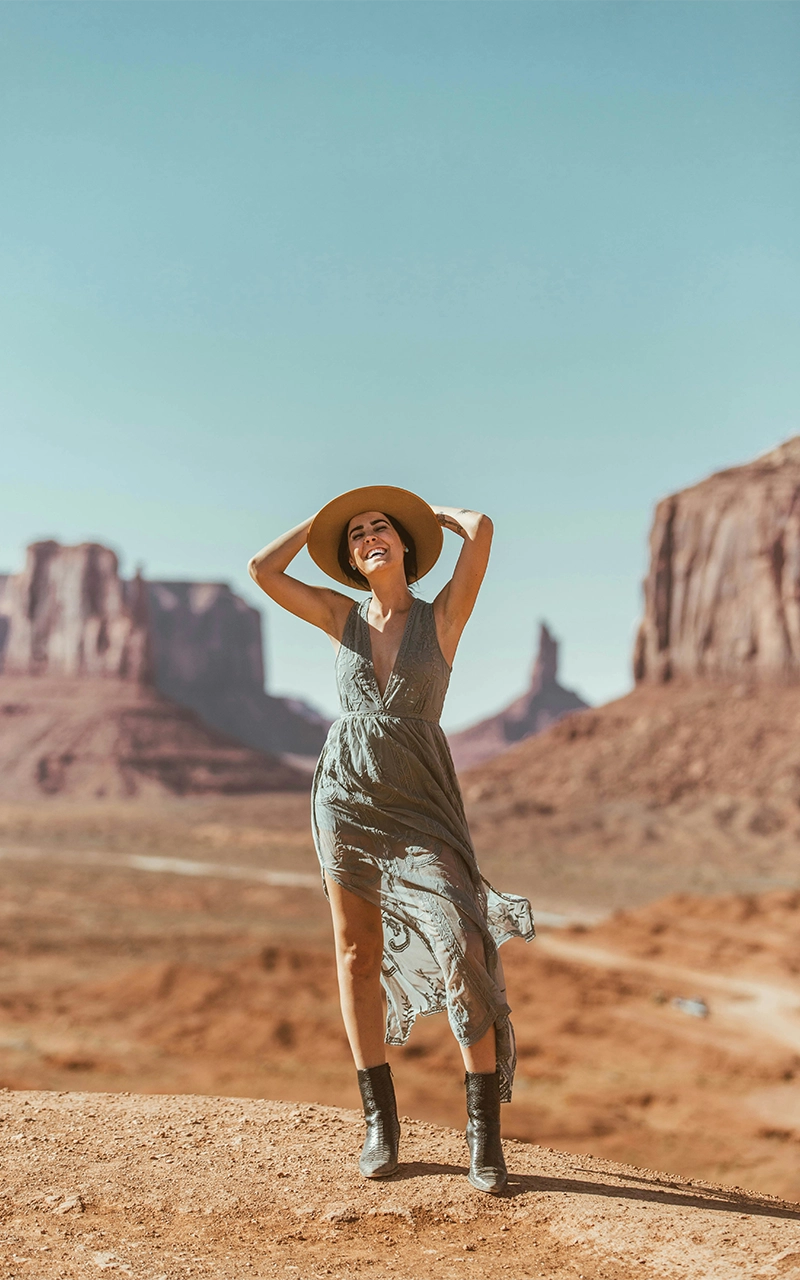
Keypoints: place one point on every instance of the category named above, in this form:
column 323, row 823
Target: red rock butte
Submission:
column 691, row 782
column 117, row 688
column 722, row 595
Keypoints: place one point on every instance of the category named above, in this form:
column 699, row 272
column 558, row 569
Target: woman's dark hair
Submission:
column 356, row 576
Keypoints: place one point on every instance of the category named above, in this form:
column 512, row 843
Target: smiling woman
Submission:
column 411, row 911
column 353, row 536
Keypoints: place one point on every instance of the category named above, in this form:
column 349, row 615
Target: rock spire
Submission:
column 544, row 702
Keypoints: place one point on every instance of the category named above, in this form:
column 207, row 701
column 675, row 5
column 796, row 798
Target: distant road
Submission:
column 226, row 871
column 169, row 866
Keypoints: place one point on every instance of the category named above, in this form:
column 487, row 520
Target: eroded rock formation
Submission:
column 722, row 595
column 544, row 702
column 96, row 737
column 115, row 688
column 203, row 634
column 207, row 654
column 70, row 614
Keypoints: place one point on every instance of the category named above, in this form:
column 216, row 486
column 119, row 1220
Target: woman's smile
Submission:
column 373, row 541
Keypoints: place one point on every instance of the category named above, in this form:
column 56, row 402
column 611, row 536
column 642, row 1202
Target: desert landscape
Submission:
column 191, row 954
column 165, row 933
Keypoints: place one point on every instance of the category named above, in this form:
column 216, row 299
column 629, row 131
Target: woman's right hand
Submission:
column 321, row 606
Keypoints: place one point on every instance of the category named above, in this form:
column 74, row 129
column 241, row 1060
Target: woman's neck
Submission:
column 391, row 597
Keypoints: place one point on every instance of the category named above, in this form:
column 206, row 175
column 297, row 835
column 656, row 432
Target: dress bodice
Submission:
column 419, row 679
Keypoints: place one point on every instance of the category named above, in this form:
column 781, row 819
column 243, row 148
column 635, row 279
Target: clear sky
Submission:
column 539, row 259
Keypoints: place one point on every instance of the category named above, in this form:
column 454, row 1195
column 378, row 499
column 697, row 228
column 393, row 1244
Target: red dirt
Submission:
column 162, row 1188
column 116, row 978
column 750, row 934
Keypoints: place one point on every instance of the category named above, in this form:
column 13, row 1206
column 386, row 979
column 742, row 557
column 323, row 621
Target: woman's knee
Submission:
column 360, row 958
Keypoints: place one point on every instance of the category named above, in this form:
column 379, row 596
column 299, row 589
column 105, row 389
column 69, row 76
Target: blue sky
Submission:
column 536, row 259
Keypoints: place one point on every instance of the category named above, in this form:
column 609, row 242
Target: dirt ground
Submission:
column 187, row 950
column 158, row 1188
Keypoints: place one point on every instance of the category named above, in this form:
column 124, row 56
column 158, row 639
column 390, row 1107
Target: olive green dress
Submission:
column 389, row 825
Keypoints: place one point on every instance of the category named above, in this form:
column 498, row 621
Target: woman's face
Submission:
column 374, row 544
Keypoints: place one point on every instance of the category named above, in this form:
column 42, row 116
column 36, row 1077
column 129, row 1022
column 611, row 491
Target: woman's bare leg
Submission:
column 480, row 1057
column 358, row 935
column 487, row 1167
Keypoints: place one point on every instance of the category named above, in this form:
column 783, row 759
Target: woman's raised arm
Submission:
column 321, row 606
column 455, row 602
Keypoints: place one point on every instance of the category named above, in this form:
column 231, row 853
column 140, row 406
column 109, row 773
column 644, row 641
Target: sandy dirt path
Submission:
column 162, row 865
column 162, row 1187
column 757, row 1008
column 200, row 868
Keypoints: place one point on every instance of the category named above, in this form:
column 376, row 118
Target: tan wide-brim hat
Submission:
column 415, row 515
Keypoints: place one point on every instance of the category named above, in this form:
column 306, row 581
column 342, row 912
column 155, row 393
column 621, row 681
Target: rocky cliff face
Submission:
column 203, row 634
column 722, row 595
column 69, row 614
column 207, row 652
column 544, row 702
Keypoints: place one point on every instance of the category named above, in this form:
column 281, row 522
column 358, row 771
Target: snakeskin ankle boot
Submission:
column 487, row 1168
column 379, row 1156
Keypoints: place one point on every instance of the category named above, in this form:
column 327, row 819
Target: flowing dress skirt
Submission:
column 389, row 825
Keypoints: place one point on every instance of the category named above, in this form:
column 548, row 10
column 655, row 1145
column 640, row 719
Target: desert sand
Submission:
column 157, row 1188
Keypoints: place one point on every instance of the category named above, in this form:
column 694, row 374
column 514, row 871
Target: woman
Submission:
column 410, row 909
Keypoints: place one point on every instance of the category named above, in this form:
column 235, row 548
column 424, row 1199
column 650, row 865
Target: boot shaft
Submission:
column 379, row 1155
column 483, row 1096
column 487, row 1168
column 377, row 1091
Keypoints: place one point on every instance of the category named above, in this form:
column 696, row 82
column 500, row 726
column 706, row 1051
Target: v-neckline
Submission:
column 399, row 655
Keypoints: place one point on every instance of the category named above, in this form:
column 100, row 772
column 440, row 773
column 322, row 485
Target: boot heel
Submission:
column 379, row 1154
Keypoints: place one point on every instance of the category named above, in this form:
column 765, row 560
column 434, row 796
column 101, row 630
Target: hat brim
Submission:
column 413, row 513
